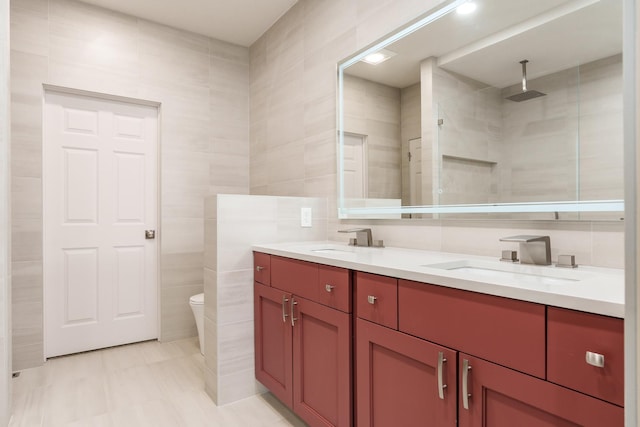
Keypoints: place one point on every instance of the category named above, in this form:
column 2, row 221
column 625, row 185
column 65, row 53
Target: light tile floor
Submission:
column 146, row 384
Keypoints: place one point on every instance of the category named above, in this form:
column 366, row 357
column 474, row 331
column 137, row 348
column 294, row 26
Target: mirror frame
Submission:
column 396, row 212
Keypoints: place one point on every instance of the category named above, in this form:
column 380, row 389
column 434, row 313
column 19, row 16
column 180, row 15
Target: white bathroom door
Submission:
column 100, row 195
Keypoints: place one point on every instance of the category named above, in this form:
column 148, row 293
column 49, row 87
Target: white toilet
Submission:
column 197, row 305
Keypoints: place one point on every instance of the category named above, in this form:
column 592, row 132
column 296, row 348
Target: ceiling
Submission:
column 487, row 46
column 240, row 22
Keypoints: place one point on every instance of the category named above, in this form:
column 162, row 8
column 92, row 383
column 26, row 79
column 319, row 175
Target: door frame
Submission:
column 63, row 90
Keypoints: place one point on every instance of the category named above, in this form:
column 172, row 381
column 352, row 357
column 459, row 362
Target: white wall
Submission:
column 203, row 87
column 233, row 224
column 5, row 266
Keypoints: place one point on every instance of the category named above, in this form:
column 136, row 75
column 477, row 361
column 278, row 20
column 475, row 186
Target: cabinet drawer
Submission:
column 262, row 268
column 505, row 331
column 377, row 299
column 294, row 276
column 334, row 287
column 570, row 335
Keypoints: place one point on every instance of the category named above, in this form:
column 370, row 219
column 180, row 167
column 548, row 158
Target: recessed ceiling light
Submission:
column 378, row 57
column 466, row 8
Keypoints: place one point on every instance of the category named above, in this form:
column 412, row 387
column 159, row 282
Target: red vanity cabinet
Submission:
column 501, row 397
column 403, row 380
column 377, row 299
column 262, row 268
column 574, row 336
column 429, row 355
column 273, row 341
column 303, row 347
column 503, row 330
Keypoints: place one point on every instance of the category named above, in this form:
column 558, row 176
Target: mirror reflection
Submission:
column 512, row 102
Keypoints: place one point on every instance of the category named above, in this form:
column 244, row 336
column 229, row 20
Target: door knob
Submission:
column 149, row 234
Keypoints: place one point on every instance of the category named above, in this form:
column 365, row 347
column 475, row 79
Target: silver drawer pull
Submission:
column 259, row 268
column 284, row 308
column 371, row 299
column 441, row 385
column 466, row 367
column 595, row 359
column 328, row 287
column 293, row 319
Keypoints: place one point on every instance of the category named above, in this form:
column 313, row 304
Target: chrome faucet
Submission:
column 363, row 236
column 533, row 249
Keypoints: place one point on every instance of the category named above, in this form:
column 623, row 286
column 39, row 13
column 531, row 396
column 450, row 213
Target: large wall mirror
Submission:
column 505, row 108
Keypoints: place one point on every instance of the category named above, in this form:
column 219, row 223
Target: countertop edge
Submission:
column 580, row 303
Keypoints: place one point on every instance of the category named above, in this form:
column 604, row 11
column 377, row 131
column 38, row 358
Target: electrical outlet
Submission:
column 305, row 217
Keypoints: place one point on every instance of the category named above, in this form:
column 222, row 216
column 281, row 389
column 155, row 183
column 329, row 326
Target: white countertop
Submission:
column 591, row 289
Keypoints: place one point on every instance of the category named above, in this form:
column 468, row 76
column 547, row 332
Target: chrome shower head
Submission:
column 526, row 94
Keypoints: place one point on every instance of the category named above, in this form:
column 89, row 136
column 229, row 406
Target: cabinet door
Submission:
column 501, row 397
column 273, row 341
column 321, row 364
column 397, row 378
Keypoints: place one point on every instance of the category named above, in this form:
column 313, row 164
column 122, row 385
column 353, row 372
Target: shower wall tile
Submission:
column 202, row 86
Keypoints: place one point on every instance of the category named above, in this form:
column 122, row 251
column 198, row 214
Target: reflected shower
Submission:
column 525, row 94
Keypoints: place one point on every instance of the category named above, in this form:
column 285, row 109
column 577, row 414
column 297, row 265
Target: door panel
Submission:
column 272, row 337
column 397, row 376
column 80, row 186
column 80, row 286
column 100, row 194
column 501, row 397
column 129, row 278
column 321, row 364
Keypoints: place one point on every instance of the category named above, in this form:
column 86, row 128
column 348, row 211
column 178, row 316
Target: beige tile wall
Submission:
column 293, row 128
column 410, row 128
column 202, row 85
column 232, row 224
column 373, row 110
column 5, row 241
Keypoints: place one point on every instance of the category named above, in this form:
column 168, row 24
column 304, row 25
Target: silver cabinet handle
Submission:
column 259, row 268
column 293, row 319
column 441, row 386
column 284, row 308
column 465, row 383
column 328, row 287
column 371, row 299
column 595, row 359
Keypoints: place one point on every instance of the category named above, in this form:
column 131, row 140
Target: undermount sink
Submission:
column 525, row 274
column 333, row 250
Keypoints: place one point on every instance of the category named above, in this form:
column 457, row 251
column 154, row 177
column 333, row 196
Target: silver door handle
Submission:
column 595, row 359
column 149, row 234
column 441, row 386
column 371, row 299
column 465, row 383
column 259, row 268
column 284, row 308
column 293, row 319
column 328, row 287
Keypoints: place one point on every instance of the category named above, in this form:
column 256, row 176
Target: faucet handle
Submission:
column 530, row 251
column 363, row 236
column 525, row 238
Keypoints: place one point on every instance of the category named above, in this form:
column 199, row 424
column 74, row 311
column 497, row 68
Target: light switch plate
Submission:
column 305, row 217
